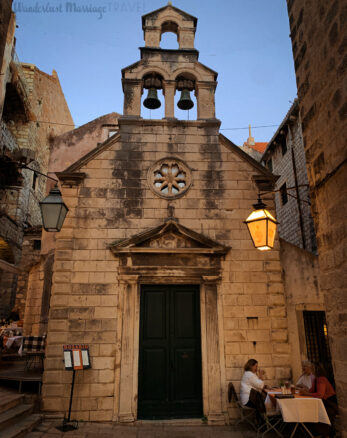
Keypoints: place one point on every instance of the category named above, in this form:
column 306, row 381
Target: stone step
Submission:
column 12, row 415
column 22, row 427
column 9, row 400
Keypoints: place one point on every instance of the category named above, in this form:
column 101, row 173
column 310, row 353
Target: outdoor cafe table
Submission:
column 300, row 410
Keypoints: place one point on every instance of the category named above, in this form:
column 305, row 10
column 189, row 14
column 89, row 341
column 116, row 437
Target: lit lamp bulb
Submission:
column 262, row 227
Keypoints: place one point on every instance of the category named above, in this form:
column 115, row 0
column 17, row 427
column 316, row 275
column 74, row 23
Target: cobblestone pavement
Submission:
column 108, row 430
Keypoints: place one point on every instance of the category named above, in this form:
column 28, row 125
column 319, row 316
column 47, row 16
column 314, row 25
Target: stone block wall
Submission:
column 318, row 33
column 48, row 105
column 10, row 238
column 114, row 201
column 30, row 257
column 32, row 316
column 7, row 30
column 5, row 16
column 301, row 279
column 50, row 116
column 43, row 113
column 70, row 146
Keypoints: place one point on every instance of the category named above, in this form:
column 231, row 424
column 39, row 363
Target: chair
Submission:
column 247, row 415
column 270, row 421
column 34, row 351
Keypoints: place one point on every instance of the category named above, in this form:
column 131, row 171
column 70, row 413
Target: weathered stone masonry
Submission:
column 318, row 33
column 122, row 232
column 88, row 291
column 295, row 220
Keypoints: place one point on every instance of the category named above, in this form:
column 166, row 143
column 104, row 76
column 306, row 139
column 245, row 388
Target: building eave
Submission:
column 90, row 155
column 271, row 145
column 265, row 173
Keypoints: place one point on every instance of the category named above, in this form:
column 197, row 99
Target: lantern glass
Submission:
column 262, row 227
column 53, row 211
column 271, row 233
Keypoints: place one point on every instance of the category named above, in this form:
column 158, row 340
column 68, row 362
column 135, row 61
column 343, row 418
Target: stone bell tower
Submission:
column 169, row 70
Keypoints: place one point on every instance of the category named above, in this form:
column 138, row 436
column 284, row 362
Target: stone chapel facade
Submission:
column 154, row 267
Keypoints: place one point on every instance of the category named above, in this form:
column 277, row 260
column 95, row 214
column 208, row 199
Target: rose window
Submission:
column 169, row 178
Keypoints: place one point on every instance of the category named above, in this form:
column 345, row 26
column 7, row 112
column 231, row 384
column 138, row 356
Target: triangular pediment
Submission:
column 265, row 180
column 168, row 8
column 167, row 238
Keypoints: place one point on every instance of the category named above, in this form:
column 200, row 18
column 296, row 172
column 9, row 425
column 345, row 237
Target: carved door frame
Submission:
column 212, row 344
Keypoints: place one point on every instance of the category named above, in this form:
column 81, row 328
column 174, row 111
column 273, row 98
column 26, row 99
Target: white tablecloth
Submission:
column 268, row 403
column 303, row 410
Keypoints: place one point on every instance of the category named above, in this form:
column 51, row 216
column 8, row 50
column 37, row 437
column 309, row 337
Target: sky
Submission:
column 246, row 41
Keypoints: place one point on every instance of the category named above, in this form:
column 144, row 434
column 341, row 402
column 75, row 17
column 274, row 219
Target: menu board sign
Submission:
column 76, row 356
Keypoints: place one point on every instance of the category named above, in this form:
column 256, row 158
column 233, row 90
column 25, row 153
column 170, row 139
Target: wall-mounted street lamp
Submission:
column 262, row 226
column 53, row 209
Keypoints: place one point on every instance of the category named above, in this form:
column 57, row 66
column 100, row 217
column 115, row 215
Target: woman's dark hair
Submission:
column 249, row 364
column 319, row 370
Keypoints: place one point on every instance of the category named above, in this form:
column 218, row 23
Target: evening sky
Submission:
column 246, row 41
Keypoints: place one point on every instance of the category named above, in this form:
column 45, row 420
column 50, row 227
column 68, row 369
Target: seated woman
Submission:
column 323, row 389
column 306, row 379
column 249, row 381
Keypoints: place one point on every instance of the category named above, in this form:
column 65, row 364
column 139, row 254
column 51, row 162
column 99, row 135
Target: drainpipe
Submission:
column 298, row 201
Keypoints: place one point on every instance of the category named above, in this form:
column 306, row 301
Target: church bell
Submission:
column 185, row 102
column 152, row 102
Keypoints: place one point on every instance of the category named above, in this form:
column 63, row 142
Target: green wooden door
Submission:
column 170, row 352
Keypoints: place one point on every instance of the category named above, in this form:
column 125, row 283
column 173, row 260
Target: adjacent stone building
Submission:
column 154, row 268
column 33, row 112
column 6, row 43
column 285, row 157
column 318, row 33
column 64, row 149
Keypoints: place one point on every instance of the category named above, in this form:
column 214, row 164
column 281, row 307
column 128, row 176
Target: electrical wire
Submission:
column 253, row 127
column 53, row 123
column 222, row 129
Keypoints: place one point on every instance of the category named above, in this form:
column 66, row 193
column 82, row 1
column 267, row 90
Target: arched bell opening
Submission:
column 153, row 100
column 185, row 97
column 169, row 35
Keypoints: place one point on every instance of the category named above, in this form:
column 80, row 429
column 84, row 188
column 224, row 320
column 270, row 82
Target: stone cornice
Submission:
column 134, row 244
column 202, row 123
column 90, row 155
